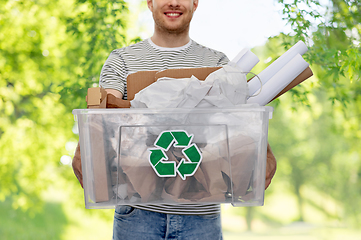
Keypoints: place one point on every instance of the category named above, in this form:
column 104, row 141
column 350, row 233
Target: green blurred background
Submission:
column 52, row 51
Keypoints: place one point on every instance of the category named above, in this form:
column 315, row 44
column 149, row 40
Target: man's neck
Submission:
column 170, row 40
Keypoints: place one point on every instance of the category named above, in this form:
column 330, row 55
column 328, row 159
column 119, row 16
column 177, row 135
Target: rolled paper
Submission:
column 280, row 80
column 254, row 85
column 245, row 60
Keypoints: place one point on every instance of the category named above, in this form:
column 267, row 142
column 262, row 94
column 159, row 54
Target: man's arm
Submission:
column 271, row 166
column 114, row 92
column 115, row 99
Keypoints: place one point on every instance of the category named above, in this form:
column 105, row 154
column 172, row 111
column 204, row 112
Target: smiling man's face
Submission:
column 172, row 16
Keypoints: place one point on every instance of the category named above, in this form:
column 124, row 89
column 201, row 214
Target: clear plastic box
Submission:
column 143, row 156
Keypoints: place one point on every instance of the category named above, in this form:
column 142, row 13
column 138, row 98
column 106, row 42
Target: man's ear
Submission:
column 195, row 5
column 150, row 5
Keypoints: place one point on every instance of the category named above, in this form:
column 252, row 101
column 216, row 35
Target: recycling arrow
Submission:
column 182, row 138
column 164, row 140
column 178, row 138
column 194, row 158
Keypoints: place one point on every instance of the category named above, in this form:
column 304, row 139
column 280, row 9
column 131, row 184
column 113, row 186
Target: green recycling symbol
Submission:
column 180, row 139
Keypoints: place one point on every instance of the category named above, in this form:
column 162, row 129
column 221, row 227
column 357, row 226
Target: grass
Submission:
column 62, row 220
column 235, row 227
column 56, row 221
column 47, row 225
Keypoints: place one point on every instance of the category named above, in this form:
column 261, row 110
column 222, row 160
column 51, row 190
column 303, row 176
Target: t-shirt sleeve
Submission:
column 223, row 60
column 114, row 73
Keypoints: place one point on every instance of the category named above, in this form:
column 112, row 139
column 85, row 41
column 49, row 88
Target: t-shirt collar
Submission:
column 169, row 49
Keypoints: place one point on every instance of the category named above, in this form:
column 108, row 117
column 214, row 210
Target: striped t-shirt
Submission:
column 146, row 56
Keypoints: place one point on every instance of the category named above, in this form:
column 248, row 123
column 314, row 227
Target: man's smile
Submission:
column 173, row 14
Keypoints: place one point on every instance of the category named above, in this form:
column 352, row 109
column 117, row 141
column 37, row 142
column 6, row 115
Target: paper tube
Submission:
column 280, row 80
column 253, row 85
column 245, row 60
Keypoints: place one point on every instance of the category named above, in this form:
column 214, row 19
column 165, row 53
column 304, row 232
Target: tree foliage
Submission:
column 50, row 53
column 333, row 32
column 316, row 142
column 95, row 27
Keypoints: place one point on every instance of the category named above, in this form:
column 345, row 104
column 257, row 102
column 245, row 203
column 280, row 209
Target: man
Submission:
column 169, row 47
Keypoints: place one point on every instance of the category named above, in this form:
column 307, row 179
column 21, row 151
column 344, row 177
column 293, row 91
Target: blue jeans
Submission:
column 133, row 223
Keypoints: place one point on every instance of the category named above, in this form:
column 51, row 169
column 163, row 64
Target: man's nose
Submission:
column 173, row 3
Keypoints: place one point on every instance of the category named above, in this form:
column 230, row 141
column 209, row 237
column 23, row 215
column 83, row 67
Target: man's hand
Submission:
column 271, row 166
column 77, row 165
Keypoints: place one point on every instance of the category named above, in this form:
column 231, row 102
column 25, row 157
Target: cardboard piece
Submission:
column 99, row 98
column 142, row 79
column 96, row 98
column 139, row 80
column 101, row 172
column 200, row 73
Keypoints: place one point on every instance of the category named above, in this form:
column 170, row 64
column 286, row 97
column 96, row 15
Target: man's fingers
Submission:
column 76, row 164
column 270, row 167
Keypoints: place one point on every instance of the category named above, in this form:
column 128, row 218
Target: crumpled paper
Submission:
column 226, row 87
column 212, row 182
